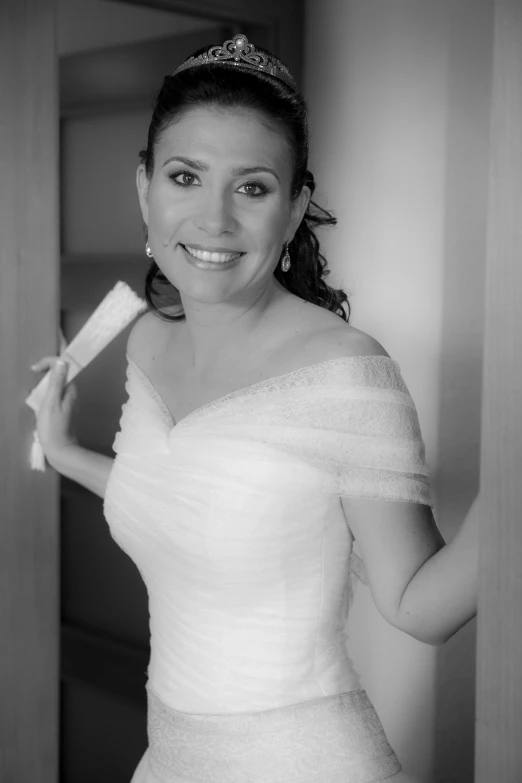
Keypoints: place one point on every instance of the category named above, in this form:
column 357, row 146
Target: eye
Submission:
column 253, row 189
column 183, row 178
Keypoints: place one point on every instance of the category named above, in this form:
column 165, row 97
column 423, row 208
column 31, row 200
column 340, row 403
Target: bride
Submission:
column 262, row 435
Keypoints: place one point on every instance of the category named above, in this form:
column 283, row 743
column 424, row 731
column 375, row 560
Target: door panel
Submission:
column 28, row 329
column 498, row 750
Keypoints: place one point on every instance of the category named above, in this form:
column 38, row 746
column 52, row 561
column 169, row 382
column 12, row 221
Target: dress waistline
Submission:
column 335, row 739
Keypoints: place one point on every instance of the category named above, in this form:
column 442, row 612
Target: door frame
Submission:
column 29, row 302
column 498, row 721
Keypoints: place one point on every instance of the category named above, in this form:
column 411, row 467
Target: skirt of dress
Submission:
column 335, row 739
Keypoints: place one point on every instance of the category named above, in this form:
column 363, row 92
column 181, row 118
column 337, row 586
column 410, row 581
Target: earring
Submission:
column 285, row 263
column 148, row 251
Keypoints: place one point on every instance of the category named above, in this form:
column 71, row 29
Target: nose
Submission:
column 216, row 213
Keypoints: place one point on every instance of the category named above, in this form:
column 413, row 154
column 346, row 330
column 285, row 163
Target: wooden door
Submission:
column 498, row 746
column 29, row 545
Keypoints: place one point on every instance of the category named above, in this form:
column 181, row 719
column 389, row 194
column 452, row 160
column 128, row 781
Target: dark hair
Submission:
column 224, row 87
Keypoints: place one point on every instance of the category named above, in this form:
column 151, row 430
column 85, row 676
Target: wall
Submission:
column 399, row 113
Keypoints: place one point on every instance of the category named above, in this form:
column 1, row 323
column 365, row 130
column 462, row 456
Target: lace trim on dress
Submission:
column 311, row 374
column 336, row 739
column 164, row 411
column 350, row 417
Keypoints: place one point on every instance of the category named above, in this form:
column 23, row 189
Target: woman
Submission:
column 262, row 434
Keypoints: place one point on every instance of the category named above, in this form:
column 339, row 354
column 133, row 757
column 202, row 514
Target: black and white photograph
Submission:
column 260, row 391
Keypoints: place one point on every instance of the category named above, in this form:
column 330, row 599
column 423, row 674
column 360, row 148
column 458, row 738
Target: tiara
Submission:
column 239, row 52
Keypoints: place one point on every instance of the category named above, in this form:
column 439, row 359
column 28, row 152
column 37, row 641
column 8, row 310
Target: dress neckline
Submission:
column 241, row 391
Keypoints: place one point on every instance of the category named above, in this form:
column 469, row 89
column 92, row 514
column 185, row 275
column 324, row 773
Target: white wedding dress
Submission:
column 233, row 517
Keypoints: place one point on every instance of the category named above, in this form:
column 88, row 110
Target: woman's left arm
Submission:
column 420, row 584
column 441, row 597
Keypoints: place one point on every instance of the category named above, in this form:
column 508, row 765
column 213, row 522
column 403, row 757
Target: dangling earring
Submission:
column 285, row 263
column 148, row 251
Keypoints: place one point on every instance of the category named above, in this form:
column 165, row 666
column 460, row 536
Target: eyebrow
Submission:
column 241, row 171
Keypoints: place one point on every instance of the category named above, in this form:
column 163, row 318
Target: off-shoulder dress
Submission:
column 233, row 517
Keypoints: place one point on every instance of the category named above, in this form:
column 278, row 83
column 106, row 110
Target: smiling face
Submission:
column 218, row 205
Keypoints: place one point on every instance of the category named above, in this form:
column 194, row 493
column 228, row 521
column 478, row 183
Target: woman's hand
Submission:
column 54, row 418
column 59, row 443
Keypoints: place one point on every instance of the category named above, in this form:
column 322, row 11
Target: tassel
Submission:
column 36, row 456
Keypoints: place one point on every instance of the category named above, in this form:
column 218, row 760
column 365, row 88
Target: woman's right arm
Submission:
column 88, row 468
column 59, row 444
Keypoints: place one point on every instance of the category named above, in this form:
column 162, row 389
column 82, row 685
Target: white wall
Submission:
column 398, row 92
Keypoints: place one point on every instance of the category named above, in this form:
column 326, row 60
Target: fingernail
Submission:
column 32, row 367
column 60, row 365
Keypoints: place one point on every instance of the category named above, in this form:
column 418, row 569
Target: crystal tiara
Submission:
column 239, row 52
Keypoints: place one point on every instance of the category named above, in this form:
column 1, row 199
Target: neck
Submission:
column 217, row 333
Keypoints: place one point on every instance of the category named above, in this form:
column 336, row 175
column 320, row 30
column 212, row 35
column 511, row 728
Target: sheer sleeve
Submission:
column 352, row 418
column 378, row 450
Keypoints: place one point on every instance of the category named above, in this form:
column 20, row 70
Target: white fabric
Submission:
column 334, row 739
column 234, row 520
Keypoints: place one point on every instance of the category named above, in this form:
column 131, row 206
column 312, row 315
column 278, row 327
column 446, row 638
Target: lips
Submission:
column 216, row 255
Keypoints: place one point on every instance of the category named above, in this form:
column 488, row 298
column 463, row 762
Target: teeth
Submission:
column 206, row 255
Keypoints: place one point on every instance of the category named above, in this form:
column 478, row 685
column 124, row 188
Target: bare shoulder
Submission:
column 336, row 339
column 148, row 334
column 320, row 335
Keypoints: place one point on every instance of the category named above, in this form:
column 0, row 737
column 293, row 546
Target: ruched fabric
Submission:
column 233, row 517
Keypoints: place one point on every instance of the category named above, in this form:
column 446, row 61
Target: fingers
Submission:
column 58, row 374
column 55, row 381
column 47, row 363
